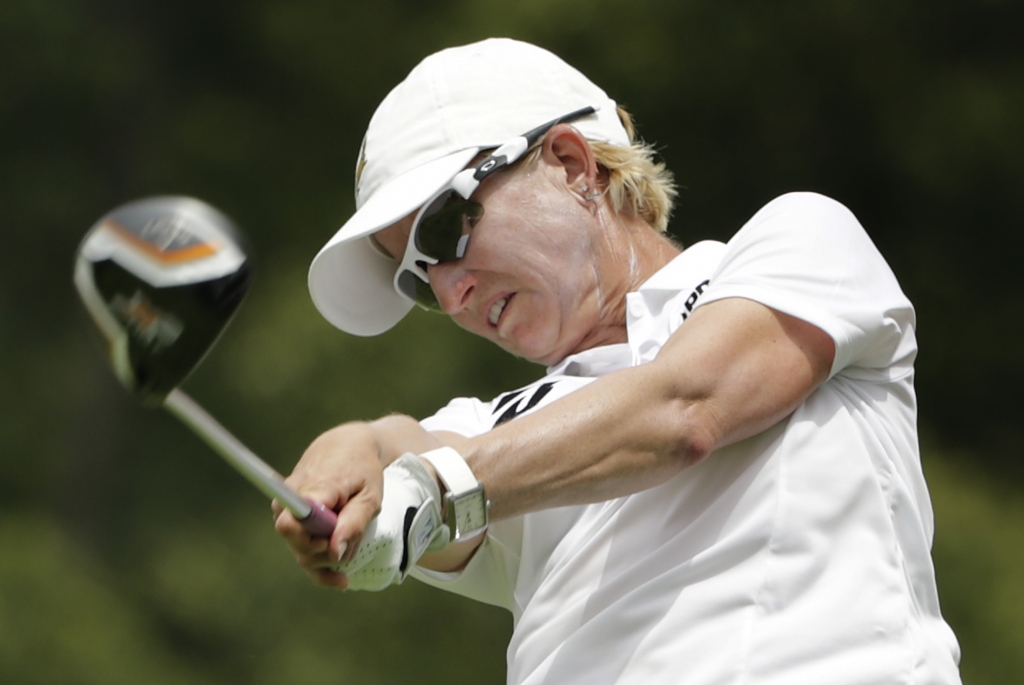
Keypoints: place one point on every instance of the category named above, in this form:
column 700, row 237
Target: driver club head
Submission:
column 161, row 277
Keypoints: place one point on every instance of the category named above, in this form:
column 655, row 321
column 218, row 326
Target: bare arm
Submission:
column 735, row 368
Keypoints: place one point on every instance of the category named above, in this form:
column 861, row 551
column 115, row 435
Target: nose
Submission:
column 453, row 286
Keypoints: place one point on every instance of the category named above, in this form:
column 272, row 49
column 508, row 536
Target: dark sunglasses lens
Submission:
column 444, row 224
column 415, row 289
column 437, row 235
column 425, row 295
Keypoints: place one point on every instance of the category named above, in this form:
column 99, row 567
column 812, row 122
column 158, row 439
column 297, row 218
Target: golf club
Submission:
column 161, row 277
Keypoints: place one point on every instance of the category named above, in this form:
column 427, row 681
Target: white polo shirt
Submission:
column 798, row 556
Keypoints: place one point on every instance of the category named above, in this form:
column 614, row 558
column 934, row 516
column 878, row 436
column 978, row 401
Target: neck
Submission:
column 633, row 255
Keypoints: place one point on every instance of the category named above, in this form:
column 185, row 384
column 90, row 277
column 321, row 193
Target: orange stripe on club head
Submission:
column 178, row 256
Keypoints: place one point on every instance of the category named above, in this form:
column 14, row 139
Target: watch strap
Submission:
column 452, row 469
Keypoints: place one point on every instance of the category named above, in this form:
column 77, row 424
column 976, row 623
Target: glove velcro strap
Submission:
column 423, row 530
column 423, row 527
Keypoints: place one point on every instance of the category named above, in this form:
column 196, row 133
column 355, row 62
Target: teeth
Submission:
column 496, row 309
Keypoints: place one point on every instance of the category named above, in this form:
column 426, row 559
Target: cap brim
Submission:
column 350, row 281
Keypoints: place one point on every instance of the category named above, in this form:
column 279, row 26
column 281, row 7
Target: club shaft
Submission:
column 258, row 472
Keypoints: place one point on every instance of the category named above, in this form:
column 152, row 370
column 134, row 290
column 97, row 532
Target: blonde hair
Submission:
column 638, row 184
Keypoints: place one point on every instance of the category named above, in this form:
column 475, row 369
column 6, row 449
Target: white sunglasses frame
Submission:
column 465, row 184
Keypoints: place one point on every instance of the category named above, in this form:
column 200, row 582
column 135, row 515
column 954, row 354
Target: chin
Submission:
column 537, row 354
column 536, row 343
column 546, row 356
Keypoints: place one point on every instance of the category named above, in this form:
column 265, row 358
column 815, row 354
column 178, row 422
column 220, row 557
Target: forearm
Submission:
column 397, row 434
column 735, row 369
column 621, row 434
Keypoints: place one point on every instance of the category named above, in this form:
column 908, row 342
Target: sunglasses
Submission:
column 440, row 232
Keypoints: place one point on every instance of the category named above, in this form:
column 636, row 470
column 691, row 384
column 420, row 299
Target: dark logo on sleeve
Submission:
column 691, row 301
column 517, row 403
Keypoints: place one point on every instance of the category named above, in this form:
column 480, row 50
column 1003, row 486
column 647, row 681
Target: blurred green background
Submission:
column 130, row 554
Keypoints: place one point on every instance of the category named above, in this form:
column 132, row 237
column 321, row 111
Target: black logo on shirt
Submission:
column 691, row 301
column 521, row 405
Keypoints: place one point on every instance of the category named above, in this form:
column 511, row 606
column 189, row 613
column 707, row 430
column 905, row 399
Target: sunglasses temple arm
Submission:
column 467, row 180
column 533, row 135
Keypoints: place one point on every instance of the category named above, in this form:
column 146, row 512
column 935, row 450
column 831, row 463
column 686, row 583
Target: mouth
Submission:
column 497, row 309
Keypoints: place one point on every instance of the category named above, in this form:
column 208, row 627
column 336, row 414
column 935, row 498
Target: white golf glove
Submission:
column 409, row 524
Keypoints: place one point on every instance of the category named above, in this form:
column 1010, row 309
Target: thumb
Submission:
column 352, row 522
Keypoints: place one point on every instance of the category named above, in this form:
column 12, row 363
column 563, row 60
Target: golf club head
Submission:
column 161, row 277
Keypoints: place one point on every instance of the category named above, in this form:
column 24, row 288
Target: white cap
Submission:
column 451, row 106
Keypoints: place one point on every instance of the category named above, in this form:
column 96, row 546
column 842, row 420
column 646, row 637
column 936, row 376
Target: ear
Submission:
column 567, row 149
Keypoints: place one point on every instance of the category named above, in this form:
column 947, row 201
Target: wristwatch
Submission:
column 465, row 503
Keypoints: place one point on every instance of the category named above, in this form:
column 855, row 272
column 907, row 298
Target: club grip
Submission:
column 320, row 522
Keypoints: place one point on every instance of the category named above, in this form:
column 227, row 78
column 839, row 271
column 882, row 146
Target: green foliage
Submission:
column 64, row 620
column 217, row 603
column 979, row 555
column 129, row 553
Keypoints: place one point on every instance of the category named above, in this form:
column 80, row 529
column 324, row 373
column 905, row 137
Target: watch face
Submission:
column 469, row 511
column 473, row 515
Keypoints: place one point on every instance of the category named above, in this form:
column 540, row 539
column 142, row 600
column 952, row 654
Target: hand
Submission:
column 342, row 469
column 409, row 524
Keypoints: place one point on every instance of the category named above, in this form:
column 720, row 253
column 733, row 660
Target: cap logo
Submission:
column 360, row 165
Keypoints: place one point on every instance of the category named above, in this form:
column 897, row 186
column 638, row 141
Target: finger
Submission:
column 317, row 549
column 352, row 522
column 327, row 578
column 316, row 560
column 287, row 525
column 297, row 538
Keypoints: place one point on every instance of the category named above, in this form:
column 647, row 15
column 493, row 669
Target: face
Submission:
column 534, row 277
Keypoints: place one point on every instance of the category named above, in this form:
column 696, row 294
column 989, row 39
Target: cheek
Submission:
column 545, row 241
column 564, row 268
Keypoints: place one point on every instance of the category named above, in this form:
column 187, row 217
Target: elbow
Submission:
column 693, row 449
column 693, row 436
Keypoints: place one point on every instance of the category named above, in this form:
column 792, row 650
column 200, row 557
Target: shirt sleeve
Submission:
column 807, row 256
column 490, row 576
column 463, row 415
